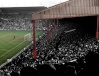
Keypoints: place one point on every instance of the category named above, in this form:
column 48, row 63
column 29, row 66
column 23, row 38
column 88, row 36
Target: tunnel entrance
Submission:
column 87, row 24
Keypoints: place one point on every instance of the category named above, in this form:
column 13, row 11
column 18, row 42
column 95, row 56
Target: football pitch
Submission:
column 12, row 42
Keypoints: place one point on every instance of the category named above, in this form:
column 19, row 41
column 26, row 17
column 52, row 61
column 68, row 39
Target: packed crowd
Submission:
column 15, row 22
column 66, row 52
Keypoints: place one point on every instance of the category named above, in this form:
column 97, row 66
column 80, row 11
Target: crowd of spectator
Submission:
column 65, row 53
column 15, row 22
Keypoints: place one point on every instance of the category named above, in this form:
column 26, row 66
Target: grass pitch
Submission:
column 10, row 46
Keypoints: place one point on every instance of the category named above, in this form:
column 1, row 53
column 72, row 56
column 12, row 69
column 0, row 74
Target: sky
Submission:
column 29, row 3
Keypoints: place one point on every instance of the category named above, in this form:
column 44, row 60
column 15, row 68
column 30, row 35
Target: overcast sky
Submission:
column 27, row 3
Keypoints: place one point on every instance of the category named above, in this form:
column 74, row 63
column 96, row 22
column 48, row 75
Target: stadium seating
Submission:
column 67, row 52
column 15, row 22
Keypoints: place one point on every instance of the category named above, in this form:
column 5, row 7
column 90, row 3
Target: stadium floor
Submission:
column 12, row 42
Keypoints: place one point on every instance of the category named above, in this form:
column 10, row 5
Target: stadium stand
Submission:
column 17, row 18
column 68, row 53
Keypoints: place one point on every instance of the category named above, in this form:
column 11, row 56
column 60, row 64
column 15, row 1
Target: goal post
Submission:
column 28, row 37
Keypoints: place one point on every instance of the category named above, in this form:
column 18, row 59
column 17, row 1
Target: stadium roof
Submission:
column 21, row 9
column 71, row 8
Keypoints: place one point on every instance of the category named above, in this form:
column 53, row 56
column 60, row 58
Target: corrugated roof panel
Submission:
column 70, row 9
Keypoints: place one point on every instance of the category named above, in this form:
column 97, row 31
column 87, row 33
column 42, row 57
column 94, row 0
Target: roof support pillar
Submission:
column 55, row 26
column 97, row 29
column 34, row 39
column 48, row 30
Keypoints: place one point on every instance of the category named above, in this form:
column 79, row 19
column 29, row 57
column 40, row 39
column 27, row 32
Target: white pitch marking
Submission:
column 12, row 49
column 15, row 39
